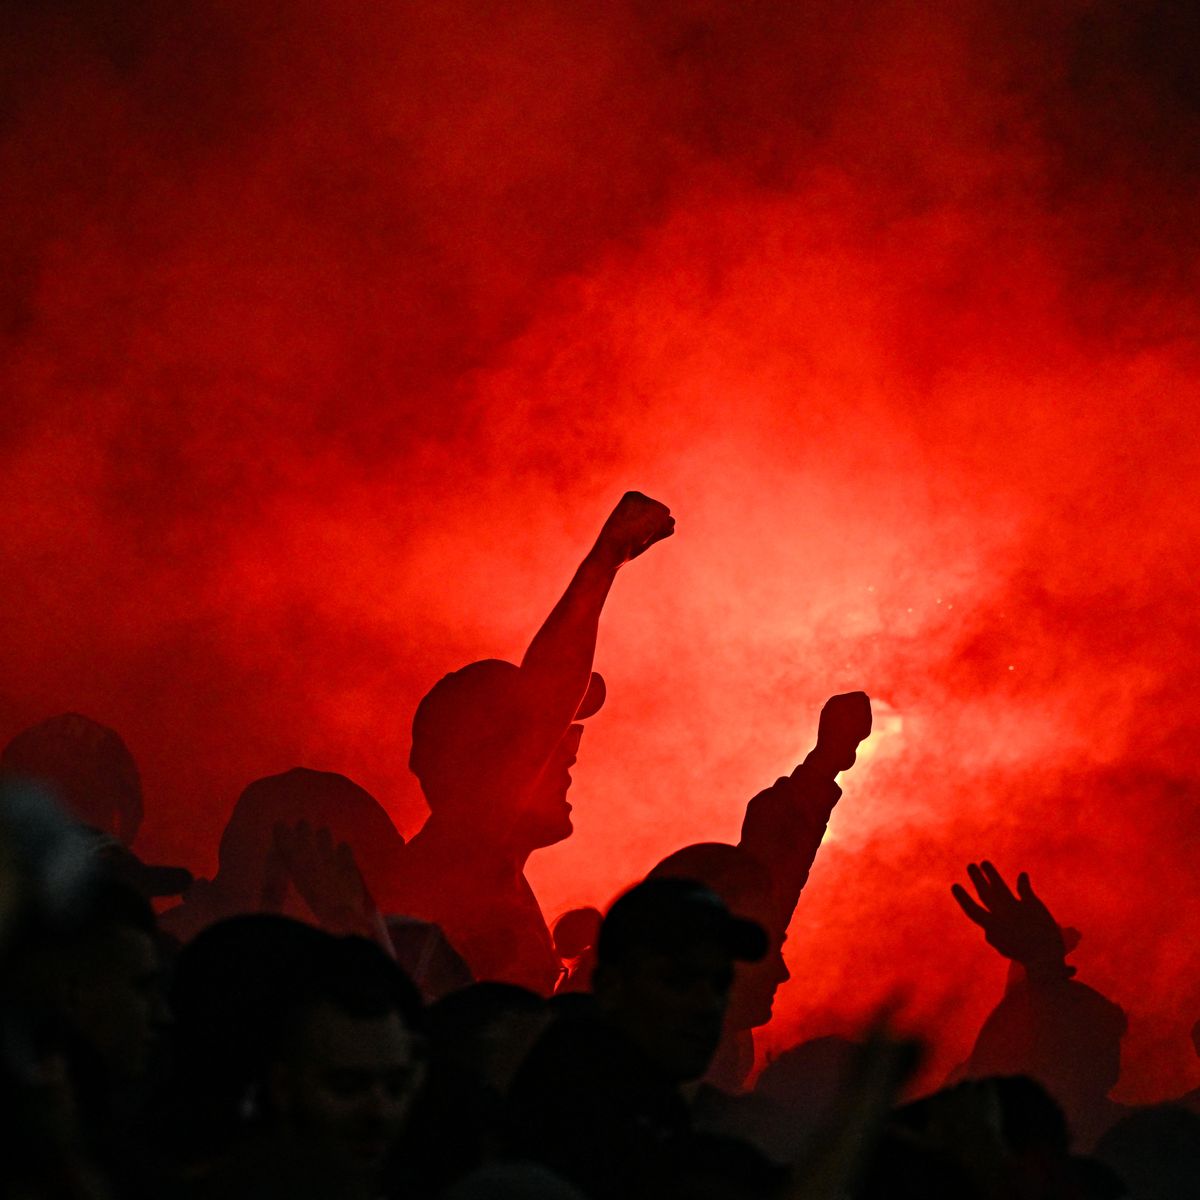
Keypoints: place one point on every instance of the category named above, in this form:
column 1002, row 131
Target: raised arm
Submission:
column 1019, row 926
column 557, row 667
column 784, row 824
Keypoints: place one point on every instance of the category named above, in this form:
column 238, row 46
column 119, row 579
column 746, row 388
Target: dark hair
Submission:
column 461, row 714
column 239, row 989
column 661, row 915
column 468, row 1012
column 230, row 988
column 87, row 764
column 354, row 975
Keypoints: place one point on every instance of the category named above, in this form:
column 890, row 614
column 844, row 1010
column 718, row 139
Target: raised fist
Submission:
column 845, row 722
column 633, row 527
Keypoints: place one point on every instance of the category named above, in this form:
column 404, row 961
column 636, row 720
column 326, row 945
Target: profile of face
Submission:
column 545, row 816
column 671, row 1005
column 114, row 1000
column 344, row 1087
column 752, row 997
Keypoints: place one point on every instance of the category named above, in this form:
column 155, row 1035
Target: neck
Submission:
column 733, row 1061
column 476, row 846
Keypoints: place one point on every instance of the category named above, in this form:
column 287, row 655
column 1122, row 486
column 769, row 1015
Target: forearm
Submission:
column 783, row 829
column 558, row 663
column 557, row 667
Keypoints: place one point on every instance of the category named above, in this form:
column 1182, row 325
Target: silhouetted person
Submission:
column 478, row 1039
column 95, row 988
column 795, row 1095
column 762, row 877
column 575, row 932
column 746, row 888
column 493, row 745
column 89, row 769
column 340, row 1069
column 784, row 824
column 1064, row 1034
column 251, row 874
column 1006, row 1134
column 349, row 1065
column 45, row 871
column 599, row 1097
column 230, row 985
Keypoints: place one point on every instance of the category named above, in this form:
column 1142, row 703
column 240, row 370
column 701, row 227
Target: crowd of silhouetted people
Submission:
column 342, row 1014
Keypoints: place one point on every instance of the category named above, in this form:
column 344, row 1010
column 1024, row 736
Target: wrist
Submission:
column 1048, row 970
column 820, row 762
column 604, row 558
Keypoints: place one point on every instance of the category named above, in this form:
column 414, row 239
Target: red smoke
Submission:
column 332, row 332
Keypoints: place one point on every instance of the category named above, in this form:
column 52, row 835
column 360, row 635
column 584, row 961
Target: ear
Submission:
column 593, row 699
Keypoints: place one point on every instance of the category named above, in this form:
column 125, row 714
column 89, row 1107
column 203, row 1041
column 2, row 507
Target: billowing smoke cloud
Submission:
column 332, row 331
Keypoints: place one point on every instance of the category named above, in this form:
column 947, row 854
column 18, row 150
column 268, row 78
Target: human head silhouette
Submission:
column 664, row 968
column 88, row 767
column 348, row 1061
column 247, row 876
column 745, row 887
column 459, row 734
column 106, row 981
column 1073, row 1048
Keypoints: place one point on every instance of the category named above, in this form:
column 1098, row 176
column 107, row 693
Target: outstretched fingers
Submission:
column 1000, row 890
column 979, row 881
column 973, row 911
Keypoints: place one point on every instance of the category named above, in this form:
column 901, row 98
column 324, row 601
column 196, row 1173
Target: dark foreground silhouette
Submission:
column 493, row 746
column 338, row 1016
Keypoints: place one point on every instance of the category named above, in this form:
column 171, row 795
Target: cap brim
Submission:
column 150, row 879
column 593, row 698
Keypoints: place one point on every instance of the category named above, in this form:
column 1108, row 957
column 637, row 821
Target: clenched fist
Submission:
column 845, row 722
column 633, row 527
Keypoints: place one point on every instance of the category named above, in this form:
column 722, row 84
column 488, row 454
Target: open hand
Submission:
column 326, row 877
column 633, row 527
column 1019, row 926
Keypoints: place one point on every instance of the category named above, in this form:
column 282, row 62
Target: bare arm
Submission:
column 557, row 667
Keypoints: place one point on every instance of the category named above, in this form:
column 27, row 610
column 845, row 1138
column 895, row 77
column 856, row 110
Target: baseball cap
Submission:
column 469, row 707
column 662, row 914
